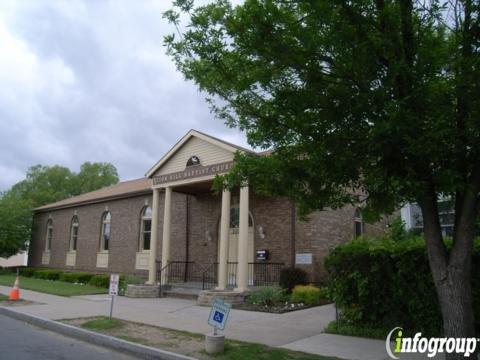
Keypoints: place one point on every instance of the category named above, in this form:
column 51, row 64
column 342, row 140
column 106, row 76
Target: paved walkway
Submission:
column 298, row 330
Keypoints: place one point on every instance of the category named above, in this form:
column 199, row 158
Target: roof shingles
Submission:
column 122, row 189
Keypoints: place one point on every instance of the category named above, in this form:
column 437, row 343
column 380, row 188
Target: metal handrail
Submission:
column 159, row 274
column 173, row 272
column 264, row 273
column 259, row 273
column 204, row 273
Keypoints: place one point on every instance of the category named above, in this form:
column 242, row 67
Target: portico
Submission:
column 190, row 167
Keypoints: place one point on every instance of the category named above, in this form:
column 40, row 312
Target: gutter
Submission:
column 92, row 201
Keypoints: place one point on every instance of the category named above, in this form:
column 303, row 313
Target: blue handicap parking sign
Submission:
column 219, row 314
column 218, row 317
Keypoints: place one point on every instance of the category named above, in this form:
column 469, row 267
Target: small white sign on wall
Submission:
column 303, row 258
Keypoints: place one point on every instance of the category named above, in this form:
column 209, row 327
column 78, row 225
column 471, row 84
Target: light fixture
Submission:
column 261, row 232
column 208, row 236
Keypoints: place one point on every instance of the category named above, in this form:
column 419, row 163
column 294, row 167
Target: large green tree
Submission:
column 43, row 185
column 367, row 101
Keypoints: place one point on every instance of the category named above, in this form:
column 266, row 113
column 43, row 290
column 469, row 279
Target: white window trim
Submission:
column 74, row 224
column 102, row 233
column 141, row 242
column 49, row 236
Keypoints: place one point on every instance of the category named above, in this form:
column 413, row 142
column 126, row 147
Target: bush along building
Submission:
column 170, row 227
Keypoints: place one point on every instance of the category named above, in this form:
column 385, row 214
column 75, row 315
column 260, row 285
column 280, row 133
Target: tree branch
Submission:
column 437, row 252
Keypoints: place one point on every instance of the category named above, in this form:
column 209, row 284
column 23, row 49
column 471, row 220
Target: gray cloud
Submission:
column 90, row 81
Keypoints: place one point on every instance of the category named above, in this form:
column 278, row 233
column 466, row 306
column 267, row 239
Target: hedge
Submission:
column 76, row 277
column 381, row 283
column 27, row 271
column 47, row 274
column 102, row 280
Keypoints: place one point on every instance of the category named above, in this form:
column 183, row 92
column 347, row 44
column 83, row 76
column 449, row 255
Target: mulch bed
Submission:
column 276, row 309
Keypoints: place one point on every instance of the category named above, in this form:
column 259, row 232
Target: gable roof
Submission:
column 138, row 186
column 117, row 191
column 194, row 133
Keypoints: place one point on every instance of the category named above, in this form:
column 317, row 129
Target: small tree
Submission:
column 43, row 185
column 372, row 97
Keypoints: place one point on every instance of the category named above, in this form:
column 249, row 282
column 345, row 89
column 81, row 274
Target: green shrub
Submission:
column 76, row 277
column 27, row 271
column 5, row 271
column 306, row 294
column 291, row 277
column 325, row 293
column 47, row 274
column 383, row 283
column 267, row 296
column 101, row 281
column 126, row 280
column 396, row 230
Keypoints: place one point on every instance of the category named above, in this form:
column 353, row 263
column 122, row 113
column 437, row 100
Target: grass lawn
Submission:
column 3, row 297
column 187, row 343
column 103, row 323
column 52, row 287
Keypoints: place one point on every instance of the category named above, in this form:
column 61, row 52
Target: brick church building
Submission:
column 170, row 226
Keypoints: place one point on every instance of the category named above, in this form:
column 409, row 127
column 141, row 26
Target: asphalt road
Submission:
column 21, row 341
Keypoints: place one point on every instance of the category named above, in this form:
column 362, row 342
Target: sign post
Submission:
column 215, row 343
column 113, row 290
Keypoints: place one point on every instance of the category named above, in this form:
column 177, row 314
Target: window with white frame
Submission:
column 358, row 221
column 235, row 219
column 106, row 228
column 74, row 233
column 49, row 235
column 145, row 228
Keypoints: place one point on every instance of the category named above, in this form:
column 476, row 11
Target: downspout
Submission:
column 187, row 236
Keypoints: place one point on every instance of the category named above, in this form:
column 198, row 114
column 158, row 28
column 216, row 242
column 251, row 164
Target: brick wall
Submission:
column 124, row 239
column 318, row 236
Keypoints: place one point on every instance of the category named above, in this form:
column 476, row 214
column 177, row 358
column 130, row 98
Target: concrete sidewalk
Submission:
column 298, row 330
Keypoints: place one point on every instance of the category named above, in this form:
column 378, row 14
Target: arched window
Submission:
column 358, row 221
column 49, row 235
column 145, row 228
column 74, row 233
column 105, row 236
column 235, row 219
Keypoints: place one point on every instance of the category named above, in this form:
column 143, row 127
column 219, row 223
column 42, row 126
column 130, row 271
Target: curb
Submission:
column 142, row 351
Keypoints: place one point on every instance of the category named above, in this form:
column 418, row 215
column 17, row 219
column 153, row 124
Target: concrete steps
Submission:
column 182, row 292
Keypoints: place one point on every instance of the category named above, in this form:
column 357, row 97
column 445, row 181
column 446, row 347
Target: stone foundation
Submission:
column 142, row 291
column 205, row 298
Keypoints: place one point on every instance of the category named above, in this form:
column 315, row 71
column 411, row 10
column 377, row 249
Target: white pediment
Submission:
column 208, row 150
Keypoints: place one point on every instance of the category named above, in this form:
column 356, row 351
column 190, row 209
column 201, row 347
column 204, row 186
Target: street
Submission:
column 21, row 341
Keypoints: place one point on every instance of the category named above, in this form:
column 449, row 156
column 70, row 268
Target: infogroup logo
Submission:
column 430, row 346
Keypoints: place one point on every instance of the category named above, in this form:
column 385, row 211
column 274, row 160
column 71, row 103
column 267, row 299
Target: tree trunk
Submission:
column 451, row 272
column 455, row 298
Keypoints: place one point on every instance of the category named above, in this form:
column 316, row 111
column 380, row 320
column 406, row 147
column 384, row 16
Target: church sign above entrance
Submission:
column 193, row 172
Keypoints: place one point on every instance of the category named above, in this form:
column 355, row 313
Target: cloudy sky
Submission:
column 90, row 81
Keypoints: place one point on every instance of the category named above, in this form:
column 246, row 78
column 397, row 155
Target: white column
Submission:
column 167, row 216
column 152, row 264
column 242, row 268
column 223, row 243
